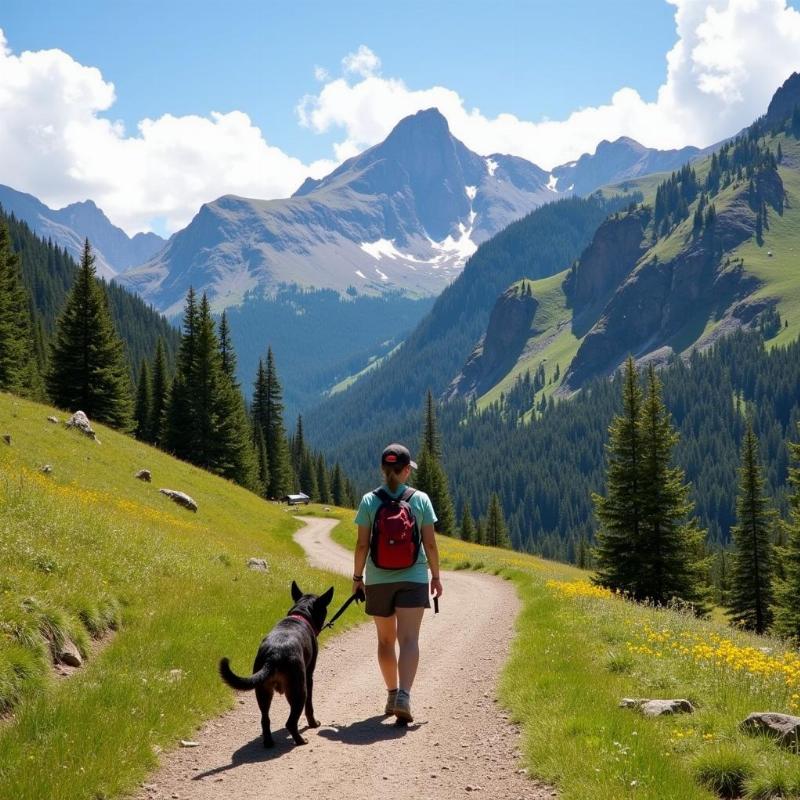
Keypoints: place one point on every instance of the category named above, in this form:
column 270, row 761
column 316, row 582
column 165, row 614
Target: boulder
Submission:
column 46, row 469
column 80, row 421
column 782, row 727
column 144, row 475
column 257, row 564
column 180, row 498
column 7, row 438
column 54, row 420
column 69, row 654
column 657, row 708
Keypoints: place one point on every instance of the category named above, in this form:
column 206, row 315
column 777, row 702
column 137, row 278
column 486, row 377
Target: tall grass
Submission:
column 87, row 549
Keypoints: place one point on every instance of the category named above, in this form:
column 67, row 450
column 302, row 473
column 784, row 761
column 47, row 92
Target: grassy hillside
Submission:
column 579, row 650
column 554, row 340
column 87, row 551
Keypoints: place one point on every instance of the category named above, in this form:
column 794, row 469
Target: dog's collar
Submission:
column 307, row 622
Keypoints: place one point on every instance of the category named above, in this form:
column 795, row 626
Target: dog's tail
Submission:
column 244, row 684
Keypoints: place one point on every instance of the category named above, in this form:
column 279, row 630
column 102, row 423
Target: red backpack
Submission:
column 395, row 539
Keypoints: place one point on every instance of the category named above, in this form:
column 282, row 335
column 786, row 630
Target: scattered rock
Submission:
column 144, row 475
column 657, row 708
column 176, row 675
column 70, row 655
column 257, row 564
column 187, row 743
column 46, row 469
column 7, row 438
column 54, row 420
column 80, row 421
column 782, row 727
column 180, row 498
column 327, row 508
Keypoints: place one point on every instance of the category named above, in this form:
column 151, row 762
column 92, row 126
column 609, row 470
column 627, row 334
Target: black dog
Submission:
column 285, row 663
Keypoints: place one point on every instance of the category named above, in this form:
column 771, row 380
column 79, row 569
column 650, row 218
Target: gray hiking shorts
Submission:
column 384, row 598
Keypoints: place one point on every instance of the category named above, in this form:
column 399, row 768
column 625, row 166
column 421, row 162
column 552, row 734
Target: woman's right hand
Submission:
column 358, row 590
column 436, row 587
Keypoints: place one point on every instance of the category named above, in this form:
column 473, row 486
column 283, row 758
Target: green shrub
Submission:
column 724, row 770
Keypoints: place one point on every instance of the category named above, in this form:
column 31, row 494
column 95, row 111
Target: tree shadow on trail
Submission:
column 367, row 731
column 254, row 752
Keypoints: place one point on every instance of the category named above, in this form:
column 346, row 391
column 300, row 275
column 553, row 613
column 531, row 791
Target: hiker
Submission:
column 396, row 543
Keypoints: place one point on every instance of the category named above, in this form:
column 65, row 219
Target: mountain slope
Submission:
column 402, row 216
column 656, row 286
column 69, row 226
column 48, row 272
column 542, row 243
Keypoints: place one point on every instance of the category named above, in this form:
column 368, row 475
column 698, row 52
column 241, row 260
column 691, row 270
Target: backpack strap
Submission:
column 382, row 495
column 407, row 494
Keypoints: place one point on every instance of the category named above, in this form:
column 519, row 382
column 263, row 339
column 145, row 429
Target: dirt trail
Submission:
column 460, row 743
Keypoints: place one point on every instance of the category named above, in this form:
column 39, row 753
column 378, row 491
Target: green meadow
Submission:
column 153, row 594
column 579, row 650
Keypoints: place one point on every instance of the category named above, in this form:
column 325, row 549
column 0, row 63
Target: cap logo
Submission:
column 391, row 458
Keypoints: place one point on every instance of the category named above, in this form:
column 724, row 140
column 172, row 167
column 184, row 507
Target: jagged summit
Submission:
column 403, row 216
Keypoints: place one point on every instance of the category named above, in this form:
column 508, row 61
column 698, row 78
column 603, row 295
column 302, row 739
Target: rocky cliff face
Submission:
column 784, row 101
column 613, row 253
column 663, row 302
column 506, row 335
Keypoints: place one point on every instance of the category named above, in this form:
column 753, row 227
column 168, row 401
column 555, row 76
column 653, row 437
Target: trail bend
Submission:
column 460, row 743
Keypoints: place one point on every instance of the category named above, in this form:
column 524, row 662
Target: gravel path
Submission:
column 460, row 743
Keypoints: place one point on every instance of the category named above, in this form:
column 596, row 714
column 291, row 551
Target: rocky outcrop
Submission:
column 506, row 336
column 657, row 708
column 615, row 248
column 181, row 498
column 80, row 421
column 662, row 302
column 782, row 727
column 784, row 101
column 144, row 475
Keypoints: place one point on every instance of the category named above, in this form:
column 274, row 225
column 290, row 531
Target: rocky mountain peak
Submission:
column 784, row 101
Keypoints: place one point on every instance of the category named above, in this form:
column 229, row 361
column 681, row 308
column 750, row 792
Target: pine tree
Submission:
column 338, row 487
column 671, row 563
column 179, row 432
column 619, row 511
column 787, row 591
column 496, row 532
column 298, row 445
column 88, row 369
column 480, row 530
column 160, row 394
column 307, row 477
column 751, row 575
column 323, row 481
column 19, row 369
column 262, row 459
column 144, row 403
column 431, row 477
column 226, row 351
column 268, row 413
column 468, row 533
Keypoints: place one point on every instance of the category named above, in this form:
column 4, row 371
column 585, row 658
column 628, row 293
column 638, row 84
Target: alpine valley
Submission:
column 336, row 276
column 702, row 260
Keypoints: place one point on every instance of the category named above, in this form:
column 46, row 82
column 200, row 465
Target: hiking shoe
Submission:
column 402, row 706
column 390, row 701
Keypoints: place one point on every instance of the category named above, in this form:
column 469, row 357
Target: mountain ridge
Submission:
column 114, row 250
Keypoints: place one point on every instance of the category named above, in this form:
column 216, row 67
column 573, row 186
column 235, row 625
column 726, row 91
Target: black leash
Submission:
column 358, row 596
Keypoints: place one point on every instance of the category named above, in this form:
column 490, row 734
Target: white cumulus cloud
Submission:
column 728, row 58
column 57, row 143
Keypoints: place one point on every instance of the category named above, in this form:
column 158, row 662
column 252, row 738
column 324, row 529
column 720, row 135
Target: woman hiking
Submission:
column 396, row 544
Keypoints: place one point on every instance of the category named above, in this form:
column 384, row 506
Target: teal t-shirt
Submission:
column 423, row 510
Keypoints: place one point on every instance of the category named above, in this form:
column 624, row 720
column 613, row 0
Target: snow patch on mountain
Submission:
column 491, row 166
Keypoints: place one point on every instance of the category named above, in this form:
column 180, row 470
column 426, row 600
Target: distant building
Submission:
column 297, row 499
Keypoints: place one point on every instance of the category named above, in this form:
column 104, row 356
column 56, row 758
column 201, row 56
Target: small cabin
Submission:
column 297, row 499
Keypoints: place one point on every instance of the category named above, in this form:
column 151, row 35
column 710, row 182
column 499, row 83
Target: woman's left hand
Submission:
column 436, row 587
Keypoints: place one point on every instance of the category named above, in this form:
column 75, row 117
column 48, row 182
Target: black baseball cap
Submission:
column 397, row 455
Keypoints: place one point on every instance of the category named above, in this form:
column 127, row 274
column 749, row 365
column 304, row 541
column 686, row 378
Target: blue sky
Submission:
column 153, row 108
column 532, row 59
